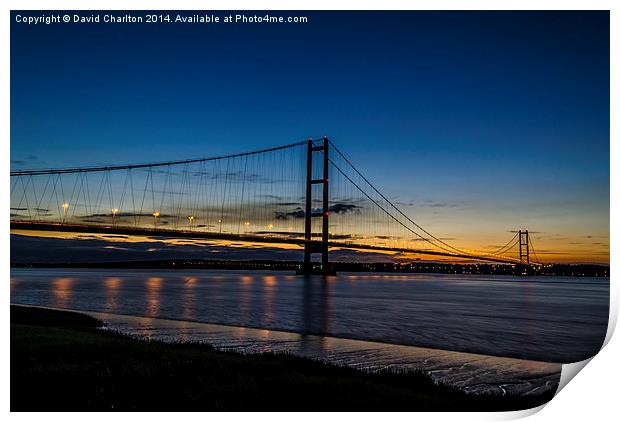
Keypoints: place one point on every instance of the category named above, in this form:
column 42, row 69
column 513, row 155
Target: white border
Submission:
column 593, row 393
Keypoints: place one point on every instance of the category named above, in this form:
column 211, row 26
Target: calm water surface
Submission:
column 548, row 319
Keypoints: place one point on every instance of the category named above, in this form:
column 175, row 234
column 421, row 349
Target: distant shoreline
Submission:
column 560, row 270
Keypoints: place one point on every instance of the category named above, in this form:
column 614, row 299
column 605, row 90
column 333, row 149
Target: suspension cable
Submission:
column 387, row 212
column 136, row 166
column 399, row 211
column 505, row 248
column 533, row 250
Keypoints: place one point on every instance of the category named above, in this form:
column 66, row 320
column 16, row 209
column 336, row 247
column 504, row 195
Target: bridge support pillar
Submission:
column 310, row 245
column 524, row 247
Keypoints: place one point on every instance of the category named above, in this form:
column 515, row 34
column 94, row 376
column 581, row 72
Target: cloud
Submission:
column 341, row 208
column 115, row 247
column 283, row 234
column 298, row 213
column 293, row 235
column 124, row 214
column 440, row 204
column 28, row 249
column 169, row 192
column 427, row 239
column 92, row 249
column 274, row 197
column 28, row 160
column 295, row 214
column 232, row 176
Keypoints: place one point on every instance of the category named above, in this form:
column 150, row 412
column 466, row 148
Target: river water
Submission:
column 547, row 319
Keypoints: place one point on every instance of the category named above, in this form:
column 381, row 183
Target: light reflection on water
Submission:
column 549, row 319
column 112, row 284
column 153, row 287
column 61, row 289
column 189, row 297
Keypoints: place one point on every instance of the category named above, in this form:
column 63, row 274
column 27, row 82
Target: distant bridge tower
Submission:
column 314, row 246
column 524, row 247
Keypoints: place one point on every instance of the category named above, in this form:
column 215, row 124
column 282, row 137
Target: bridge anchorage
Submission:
column 307, row 195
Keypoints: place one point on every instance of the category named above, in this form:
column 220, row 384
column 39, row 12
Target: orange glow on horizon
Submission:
column 594, row 249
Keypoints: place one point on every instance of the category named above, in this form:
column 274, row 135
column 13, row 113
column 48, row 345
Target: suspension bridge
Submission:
column 306, row 193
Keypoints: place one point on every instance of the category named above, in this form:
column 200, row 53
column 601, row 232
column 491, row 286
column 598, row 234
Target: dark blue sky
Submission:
column 502, row 115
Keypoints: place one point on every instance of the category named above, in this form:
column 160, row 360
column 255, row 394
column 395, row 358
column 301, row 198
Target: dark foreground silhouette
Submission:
column 62, row 361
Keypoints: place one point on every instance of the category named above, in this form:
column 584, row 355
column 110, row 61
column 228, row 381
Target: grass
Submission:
column 61, row 361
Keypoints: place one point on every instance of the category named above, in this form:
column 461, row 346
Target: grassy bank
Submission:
column 61, row 361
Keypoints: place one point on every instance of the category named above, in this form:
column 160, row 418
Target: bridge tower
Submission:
column 524, row 247
column 310, row 245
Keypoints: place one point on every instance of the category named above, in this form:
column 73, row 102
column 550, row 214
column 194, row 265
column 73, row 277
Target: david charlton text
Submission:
column 146, row 17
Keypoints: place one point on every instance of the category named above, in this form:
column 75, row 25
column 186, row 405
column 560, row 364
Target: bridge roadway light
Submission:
column 114, row 211
column 65, row 207
column 155, row 215
column 191, row 221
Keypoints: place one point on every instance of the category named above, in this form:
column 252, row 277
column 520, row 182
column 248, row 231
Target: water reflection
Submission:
column 153, row 287
column 61, row 290
column 270, row 287
column 315, row 304
column 556, row 319
column 270, row 280
column 189, row 297
column 245, row 299
column 264, row 334
column 112, row 286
